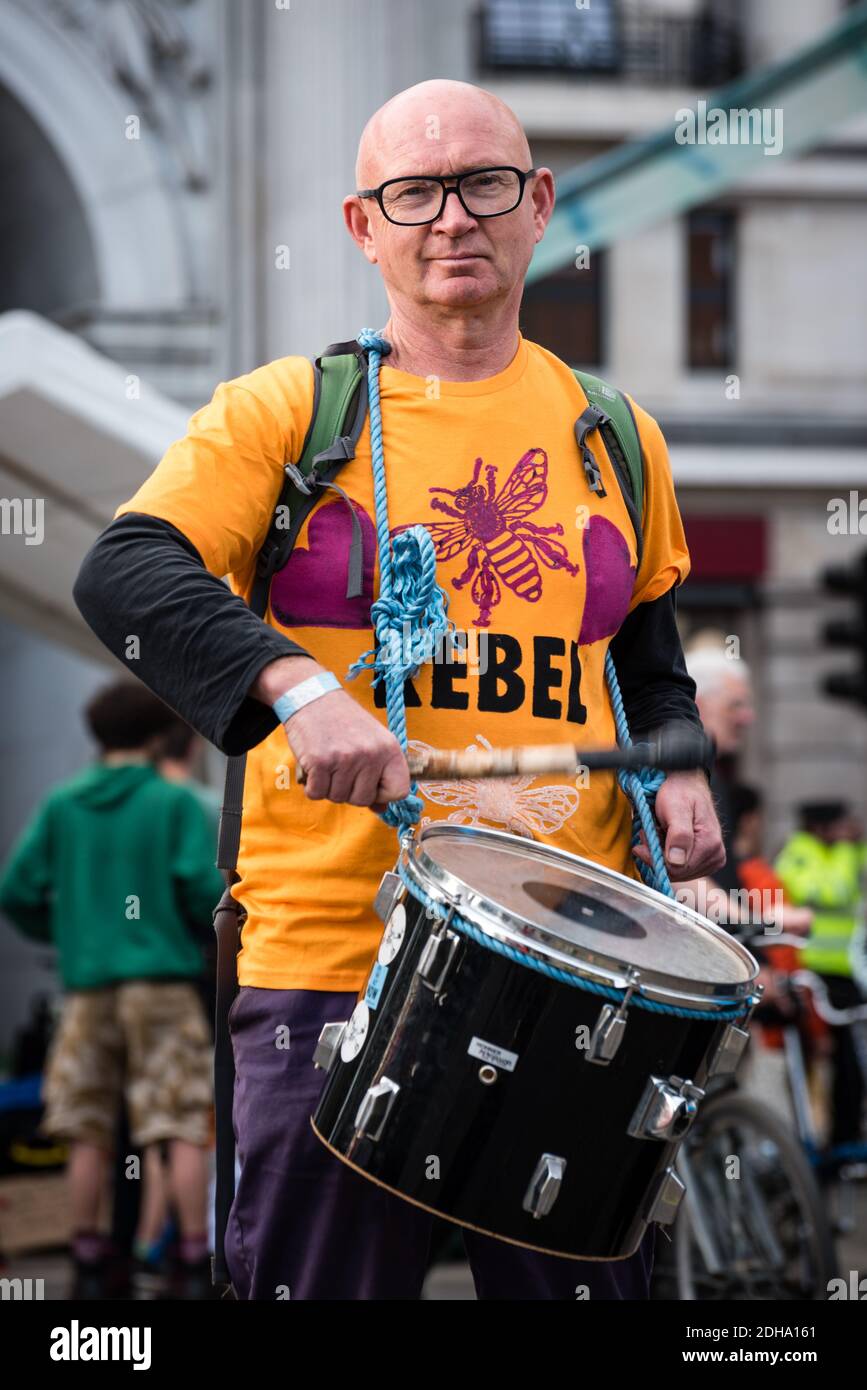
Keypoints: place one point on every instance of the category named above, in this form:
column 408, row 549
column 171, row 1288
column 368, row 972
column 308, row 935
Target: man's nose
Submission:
column 454, row 217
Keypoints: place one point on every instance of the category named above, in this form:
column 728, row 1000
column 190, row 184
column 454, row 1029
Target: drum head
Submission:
column 572, row 911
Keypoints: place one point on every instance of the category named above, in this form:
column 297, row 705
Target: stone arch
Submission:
column 126, row 212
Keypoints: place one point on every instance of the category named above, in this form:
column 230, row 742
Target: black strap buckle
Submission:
column 305, row 482
column 592, row 473
column 590, row 419
column 340, row 450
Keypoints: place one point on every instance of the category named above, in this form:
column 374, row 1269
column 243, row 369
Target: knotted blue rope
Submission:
column 641, row 787
column 410, row 615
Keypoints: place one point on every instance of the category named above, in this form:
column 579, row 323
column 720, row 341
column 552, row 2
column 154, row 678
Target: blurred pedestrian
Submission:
column 821, row 867
column 757, row 877
column 725, row 703
column 116, row 868
column 724, row 695
column 178, row 757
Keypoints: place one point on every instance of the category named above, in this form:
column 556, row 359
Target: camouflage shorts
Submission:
column 145, row 1039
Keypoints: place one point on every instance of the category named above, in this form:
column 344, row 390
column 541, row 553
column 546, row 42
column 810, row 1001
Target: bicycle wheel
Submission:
column 757, row 1228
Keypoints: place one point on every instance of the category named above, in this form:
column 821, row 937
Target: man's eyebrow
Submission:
column 457, row 174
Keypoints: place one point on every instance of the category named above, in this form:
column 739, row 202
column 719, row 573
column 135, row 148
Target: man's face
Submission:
column 727, row 712
column 459, row 261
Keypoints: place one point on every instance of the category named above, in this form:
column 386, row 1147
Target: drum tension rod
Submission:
column 610, row 1026
column 441, row 924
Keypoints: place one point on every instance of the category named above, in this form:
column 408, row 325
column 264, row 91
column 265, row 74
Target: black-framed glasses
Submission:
column 412, row 201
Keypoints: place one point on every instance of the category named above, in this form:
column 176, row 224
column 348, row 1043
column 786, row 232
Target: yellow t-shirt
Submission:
column 539, row 572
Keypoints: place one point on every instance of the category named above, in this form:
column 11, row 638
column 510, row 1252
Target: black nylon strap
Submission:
column 229, row 839
column 621, row 468
column 227, row 922
column 228, row 916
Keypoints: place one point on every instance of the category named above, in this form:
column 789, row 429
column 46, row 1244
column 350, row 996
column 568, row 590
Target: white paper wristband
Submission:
column 303, row 694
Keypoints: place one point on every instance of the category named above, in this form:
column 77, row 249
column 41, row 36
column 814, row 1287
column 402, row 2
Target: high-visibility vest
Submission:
column 826, row 878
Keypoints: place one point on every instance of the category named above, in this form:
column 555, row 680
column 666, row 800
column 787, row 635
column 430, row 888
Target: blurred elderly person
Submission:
column 724, row 695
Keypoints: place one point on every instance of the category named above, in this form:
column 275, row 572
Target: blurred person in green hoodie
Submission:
column 821, row 867
column 116, row 869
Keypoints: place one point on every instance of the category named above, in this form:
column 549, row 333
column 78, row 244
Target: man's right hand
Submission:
column 346, row 754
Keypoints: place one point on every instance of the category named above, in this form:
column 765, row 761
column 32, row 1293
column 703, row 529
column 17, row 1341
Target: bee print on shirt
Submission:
column 503, row 547
column 510, row 802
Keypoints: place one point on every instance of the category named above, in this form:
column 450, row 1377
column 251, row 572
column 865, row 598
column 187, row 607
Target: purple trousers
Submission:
column 304, row 1226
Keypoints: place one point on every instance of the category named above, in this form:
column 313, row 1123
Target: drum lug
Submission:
column 389, row 890
column 437, row 957
column 610, row 1026
column 666, row 1110
column 544, row 1186
column 728, row 1052
column 606, row 1036
column 375, row 1109
column 328, row 1045
column 665, row 1198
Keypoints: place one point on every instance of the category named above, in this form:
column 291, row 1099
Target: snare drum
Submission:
column 532, row 1044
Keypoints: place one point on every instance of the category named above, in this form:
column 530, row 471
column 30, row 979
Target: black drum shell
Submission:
column 488, row 1138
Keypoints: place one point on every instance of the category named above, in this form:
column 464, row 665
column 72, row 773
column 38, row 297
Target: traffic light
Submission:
column 848, row 632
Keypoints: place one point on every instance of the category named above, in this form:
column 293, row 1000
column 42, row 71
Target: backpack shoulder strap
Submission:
column 337, row 419
column 611, row 413
column 336, row 422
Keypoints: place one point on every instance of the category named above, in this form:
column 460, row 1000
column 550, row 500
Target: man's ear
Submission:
column 359, row 226
column 544, row 196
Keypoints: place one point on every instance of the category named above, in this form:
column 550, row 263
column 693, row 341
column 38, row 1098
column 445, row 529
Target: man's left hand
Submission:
column 690, row 832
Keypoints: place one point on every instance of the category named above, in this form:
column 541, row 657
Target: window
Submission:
column 612, row 38
column 550, row 34
column 710, row 290
column 563, row 312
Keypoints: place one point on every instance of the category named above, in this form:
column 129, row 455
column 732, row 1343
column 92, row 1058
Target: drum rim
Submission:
column 495, row 921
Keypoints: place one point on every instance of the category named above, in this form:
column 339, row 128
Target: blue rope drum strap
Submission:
column 729, row 1008
column 641, row 788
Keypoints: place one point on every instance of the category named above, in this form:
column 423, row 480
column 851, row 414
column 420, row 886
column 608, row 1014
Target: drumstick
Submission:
column 670, row 750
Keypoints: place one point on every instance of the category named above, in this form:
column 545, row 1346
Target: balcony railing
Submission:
column 612, row 39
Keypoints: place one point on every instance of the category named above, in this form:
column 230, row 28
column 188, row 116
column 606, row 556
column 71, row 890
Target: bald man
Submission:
column 479, row 446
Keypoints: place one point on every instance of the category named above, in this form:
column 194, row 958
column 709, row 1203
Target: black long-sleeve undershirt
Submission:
column 651, row 669
column 200, row 647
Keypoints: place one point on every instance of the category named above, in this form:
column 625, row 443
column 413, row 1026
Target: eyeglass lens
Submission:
column 416, row 200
